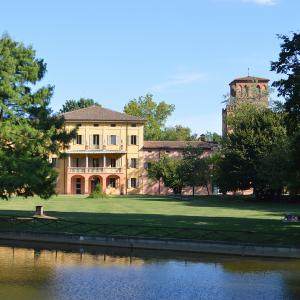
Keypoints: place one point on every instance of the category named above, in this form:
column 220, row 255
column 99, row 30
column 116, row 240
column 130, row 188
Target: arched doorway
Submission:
column 93, row 181
column 113, row 184
column 78, row 184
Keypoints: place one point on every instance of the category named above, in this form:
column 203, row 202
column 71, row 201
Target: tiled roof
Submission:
column 95, row 151
column 249, row 79
column 98, row 113
column 178, row 144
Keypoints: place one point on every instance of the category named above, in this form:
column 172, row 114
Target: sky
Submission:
column 184, row 52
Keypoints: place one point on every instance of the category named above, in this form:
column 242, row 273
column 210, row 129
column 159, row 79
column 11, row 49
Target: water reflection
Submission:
column 33, row 272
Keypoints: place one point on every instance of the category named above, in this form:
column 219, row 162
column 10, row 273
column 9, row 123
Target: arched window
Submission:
column 246, row 90
column 241, row 90
column 258, row 90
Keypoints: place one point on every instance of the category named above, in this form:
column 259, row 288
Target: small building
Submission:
column 153, row 150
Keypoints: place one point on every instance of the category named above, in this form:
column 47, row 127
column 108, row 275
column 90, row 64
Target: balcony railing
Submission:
column 94, row 170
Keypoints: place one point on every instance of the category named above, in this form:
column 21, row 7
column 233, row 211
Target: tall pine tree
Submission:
column 29, row 131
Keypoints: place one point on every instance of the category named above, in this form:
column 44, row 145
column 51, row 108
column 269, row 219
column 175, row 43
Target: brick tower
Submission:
column 242, row 90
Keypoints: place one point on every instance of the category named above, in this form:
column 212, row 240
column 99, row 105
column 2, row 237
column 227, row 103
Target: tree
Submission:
column 177, row 133
column 169, row 170
column 211, row 137
column 71, row 105
column 257, row 132
column 154, row 113
column 29, row 131
column 288, row 65
column 195, row 169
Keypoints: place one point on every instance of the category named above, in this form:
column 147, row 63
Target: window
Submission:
column 78, row 186
column 112, row 140
column 149, row 151
column 133, row 163
column 147, row 165
column 78, row 125
column 133, row 182
column 133, row 139
column 113, row 163
column 133, row 125
column 112, row 182
column 246, row 90
column 258, row 90
column 79, row 139
column 95, row 162
column 112, row 125
column 77, row 162
column 96, row 139
column 54, row 162
column 96, row 125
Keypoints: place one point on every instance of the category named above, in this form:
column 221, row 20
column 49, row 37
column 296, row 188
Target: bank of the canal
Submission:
column 188, row 246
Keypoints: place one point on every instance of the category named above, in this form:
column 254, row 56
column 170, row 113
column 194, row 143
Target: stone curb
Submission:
column 157, row 244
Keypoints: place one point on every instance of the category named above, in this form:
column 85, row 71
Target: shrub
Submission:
column 98, row 192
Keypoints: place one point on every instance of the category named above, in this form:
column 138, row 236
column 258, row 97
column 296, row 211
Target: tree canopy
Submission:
column 195, row 168
column 29, row 131
column 169, row 170
column 154, row 113
column 177, row 133
column 288, row 65
column 258, row 136
column 72, row 104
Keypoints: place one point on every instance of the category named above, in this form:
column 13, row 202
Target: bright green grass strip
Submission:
column 214, row 212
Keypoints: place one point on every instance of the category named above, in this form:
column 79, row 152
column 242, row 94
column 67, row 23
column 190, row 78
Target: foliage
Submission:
column 154, row 113
column 169, row 170
column 98, row 192
column 212, row 137
column 72, row 104
column 177, row 133
column 288, row 65
column 245, row 161
column 29, row 131
column 195, row 168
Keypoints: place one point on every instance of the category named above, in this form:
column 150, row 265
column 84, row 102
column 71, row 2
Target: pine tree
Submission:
column 29, row 131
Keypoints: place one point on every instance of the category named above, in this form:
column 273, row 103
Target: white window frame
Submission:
column 79, row 138
column 134, row 163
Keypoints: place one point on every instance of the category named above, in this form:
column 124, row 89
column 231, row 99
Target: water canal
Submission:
column 31, row 272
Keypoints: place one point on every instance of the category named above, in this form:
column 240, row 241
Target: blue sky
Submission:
column 184, row 52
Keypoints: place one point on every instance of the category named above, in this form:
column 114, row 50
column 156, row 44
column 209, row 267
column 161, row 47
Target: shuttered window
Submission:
column 112, row 140
column 133, row 182
column 79, row 139
column 96, row 139
column 133, row 163
column 133, row 140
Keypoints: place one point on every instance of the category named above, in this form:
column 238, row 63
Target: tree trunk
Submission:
column 207, row 190
column 193, row 191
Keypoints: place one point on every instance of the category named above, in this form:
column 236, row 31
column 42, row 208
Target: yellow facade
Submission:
column 109, row 152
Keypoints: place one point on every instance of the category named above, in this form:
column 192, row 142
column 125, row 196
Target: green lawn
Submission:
column 262, row 221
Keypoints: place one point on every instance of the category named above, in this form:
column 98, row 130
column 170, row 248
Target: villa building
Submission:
column 109, row 149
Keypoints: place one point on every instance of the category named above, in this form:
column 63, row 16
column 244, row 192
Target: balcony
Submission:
column 92, row 170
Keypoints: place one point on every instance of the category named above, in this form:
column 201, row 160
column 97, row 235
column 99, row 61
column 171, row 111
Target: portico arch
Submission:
column 93, row 181
column 77, row 184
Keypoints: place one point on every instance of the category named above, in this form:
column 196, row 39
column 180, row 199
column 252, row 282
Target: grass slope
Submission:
column 214, row 213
